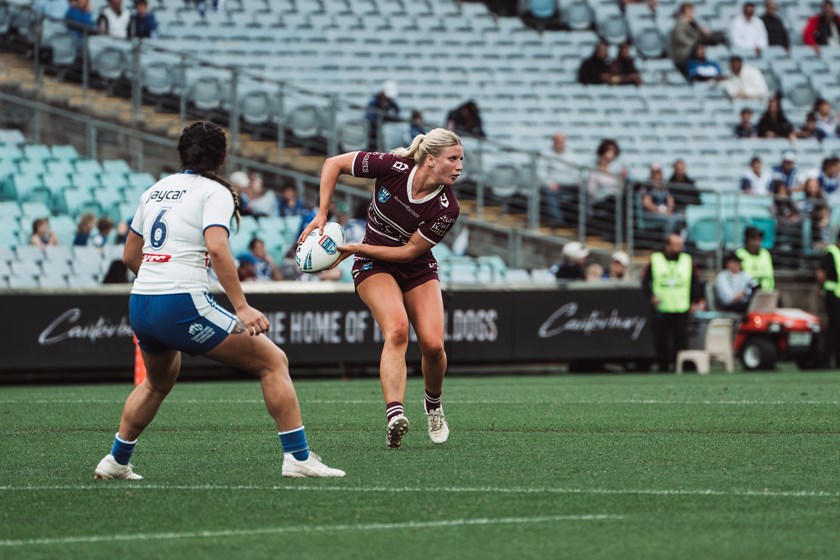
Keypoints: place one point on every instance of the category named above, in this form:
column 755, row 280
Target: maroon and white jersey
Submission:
column 394, row 215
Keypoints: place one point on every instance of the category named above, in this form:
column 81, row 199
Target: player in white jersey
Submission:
column 181, row 227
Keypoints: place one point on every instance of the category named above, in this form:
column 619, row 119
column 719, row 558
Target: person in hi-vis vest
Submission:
column 756, row 260
column 828, row 276
column 673, row 285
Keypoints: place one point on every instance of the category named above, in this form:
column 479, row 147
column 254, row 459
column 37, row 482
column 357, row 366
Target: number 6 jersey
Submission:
column 172, row 218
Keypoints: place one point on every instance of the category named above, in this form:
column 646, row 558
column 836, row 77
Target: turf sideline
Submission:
column 408, row 489
column 307, row 528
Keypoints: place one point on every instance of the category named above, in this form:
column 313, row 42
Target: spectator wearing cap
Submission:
column 777, row 34
column 786, row 172
column 756, row 260
column 657, row 202
column 733, row 286
column 746, row 128
column 774, row 123
column 744, row 81
column 747, row 31
column 756, row 180
column 822, row 29
column 573, row 263
column 382, row 107
column 620, row 267
column 673, row 284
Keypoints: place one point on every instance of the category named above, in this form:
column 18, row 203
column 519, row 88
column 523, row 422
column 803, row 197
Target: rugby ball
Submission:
column 320, row 251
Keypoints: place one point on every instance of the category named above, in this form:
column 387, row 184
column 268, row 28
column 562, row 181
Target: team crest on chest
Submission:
column 383, row 195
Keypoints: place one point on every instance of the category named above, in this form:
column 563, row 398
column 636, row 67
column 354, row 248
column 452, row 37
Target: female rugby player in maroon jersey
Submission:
column 412, row 209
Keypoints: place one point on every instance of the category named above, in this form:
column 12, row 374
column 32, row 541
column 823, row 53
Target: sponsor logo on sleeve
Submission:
column 366, row 163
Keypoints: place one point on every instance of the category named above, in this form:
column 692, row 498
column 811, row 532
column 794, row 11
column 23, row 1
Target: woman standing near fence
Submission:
column 395, row 273
column 180, row 227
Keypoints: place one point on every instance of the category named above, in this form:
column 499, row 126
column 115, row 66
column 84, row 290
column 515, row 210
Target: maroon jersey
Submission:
column 394, row 215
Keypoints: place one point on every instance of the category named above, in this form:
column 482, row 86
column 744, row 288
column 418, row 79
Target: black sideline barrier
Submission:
column 65, row 331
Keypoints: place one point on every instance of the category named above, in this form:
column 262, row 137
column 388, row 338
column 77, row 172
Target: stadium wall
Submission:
column 76, row 331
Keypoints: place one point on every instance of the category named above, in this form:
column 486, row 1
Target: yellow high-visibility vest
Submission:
column 759, row 267
column 671, row 282
column 833, row 286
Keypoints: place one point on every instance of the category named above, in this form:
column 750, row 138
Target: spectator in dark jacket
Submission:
column 623, row 69
column 466, row 119
column 776, row 31
column 595, row 70
column 823, row 28
column 774, row 123
column 143, row 23
column 746, row 128
column 682, row 187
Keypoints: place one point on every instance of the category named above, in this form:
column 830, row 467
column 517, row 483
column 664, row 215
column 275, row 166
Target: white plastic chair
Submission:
column 718, row 347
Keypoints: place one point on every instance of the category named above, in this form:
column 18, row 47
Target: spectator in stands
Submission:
column 593, row 272
column 84, row 229
column 809, row 129
column 143, row 23
column 816, row 207
column 290, row 204
column 826, row 119
column 117, row 273
column 674, row 286
column 700, row 68
column 747, row 31
column 606, row 180
column 829, row 176
column 686, row 33
column 113, row 20
column 623, row 69
column 733, row 286
column 773, row 123
column 787, row 214
column 240, row 182
column 822, row 29
column 595, row 70
column 382, row 107
column 746, row 128
column 53, row 9
column 42, row 235
column 560, row 181
column 744, row 81
column 261, row 201
column 777, row 34
column 258, row 257
column 573, row 263
column 682, row 187
column 756, row 180
column 465, row 120
column 415, row 126
column 620, row 267
column 657, row 202
column 787, row 173
column 79, row 18
column 104, row 227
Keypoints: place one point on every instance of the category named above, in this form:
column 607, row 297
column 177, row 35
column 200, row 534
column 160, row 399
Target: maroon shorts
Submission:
column 407, row 275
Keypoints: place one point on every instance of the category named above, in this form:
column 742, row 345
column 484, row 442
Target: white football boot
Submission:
column 109, row 469
column 310, row 468
column 397, row 428
column 438, row 428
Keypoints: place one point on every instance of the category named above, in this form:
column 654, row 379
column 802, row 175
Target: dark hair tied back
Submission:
column 203, row 148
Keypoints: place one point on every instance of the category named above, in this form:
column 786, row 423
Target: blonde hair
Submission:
column 430, row 144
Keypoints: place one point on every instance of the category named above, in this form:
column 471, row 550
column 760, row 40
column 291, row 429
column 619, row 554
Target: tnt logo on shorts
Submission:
column 201, row 333
column 383, row 195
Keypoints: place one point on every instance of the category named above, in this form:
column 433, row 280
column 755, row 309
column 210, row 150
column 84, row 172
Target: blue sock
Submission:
column 294, row 442
column 122, row 450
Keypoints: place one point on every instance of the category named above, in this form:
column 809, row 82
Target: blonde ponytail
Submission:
column 432, row 143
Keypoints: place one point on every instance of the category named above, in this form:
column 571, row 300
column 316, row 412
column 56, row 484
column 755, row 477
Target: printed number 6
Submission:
column 159, row 230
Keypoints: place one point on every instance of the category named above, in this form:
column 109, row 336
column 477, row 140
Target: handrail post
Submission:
column 137, row 82
column 332, row 137
column 38, row 34
column 582, row 205
column 533, row 194
column 479, row 188
column 619, row 215
column 281, row 124
column 182, row 105
column 630, row 220
column 234, row 109
column 85, row 65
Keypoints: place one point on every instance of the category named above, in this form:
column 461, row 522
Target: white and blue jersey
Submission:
column 170, row 305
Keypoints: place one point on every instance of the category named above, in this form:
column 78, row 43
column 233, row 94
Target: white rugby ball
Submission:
column 320, row 251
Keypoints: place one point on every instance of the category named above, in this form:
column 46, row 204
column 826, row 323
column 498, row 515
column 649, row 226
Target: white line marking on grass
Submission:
column 307, row 529
column 449, row 401
column 765, row 493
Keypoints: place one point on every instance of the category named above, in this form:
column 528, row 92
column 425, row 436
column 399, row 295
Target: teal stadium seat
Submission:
column 65, row 152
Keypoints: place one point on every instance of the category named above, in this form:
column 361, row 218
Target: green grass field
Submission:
column 719, row 466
